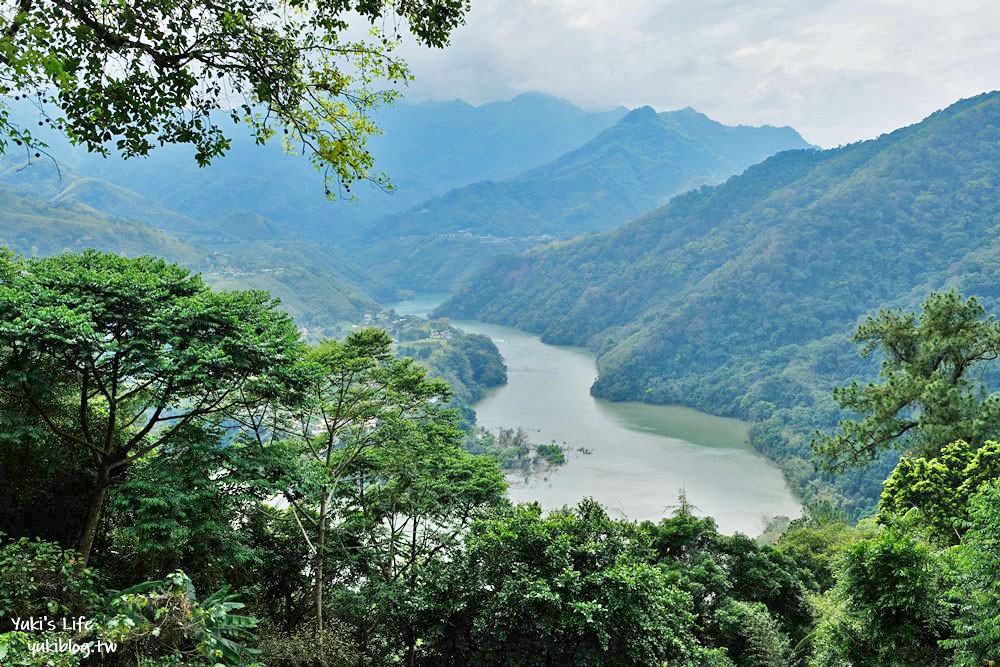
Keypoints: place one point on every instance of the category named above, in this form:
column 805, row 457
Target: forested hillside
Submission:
column 45, row 210
column 630, row 168
column 30, row 225
column 740, row 299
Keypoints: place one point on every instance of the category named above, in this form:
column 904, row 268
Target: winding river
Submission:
column 637, row 457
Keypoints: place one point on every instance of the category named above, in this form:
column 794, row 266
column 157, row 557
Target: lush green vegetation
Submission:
column 307, row 76
column 469, row 363
column 741, row 299
column 185, row 478
column 628, row 169
column 44, row 216
column 514, row 452
column 151, row 416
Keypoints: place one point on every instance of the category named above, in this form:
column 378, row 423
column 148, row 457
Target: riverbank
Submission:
column 640, row 457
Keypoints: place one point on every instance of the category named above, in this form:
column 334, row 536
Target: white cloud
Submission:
column 836, row 70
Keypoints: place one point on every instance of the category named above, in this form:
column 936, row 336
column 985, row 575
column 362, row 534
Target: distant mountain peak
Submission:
column 644, row 114
column 535, row 102
column 689, row 115
column 535, row 96
column 456, row 103
column 688, row 111
column 628, row 169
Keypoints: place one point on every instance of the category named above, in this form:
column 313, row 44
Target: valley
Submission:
column 727, row 299
column 638, row 457
column 740, row 299
column 437, row 333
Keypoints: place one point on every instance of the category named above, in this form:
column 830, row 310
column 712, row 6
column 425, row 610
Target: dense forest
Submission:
column 741, row 299
column 185, row 481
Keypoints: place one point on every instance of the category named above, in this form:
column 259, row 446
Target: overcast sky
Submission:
column 838, row 70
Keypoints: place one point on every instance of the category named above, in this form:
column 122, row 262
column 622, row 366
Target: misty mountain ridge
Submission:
column 45, row 210
column 426, row 149
column 256, row 212
column 258, row 217
column 630, row 168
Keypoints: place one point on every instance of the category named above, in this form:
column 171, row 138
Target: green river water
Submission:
column 640, row 456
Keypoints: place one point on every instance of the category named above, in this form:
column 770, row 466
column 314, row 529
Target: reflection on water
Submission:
column 640, row 457
column 421, row 305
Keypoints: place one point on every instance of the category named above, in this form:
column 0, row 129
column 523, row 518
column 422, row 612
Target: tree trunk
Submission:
column 86, row 544
column 411, row 632
column 318, row 582
column 411, row 646
column 363, row 645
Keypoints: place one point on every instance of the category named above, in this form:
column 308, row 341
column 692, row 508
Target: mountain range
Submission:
column 45, row 210
column 740, row 299
column 258, row 217
column 426, row 149
column 630, row 168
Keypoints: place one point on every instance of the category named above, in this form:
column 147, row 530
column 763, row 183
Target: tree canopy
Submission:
column 131, row 76
column 927, row 398
column 112, row 358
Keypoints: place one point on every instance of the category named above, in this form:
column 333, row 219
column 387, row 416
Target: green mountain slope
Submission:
column 43, row 213
column 324, row 292
column 121, row 203
column 31, row 226
column 740, row 298
column 630, row 168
